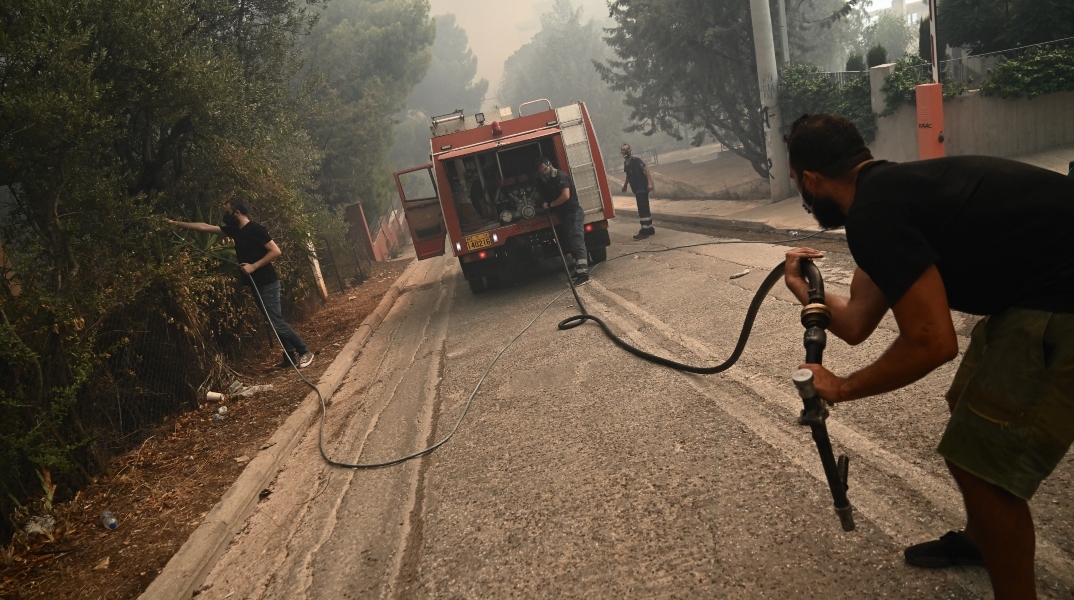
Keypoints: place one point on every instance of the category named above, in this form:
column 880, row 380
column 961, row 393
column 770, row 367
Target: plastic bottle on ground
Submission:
column 108, row 520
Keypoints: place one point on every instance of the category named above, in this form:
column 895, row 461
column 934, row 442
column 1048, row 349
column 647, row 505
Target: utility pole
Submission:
column 932, row 41
column 768, row 78
column 783, row 31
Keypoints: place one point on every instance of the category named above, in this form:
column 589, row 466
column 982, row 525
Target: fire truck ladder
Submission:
column 579, row 157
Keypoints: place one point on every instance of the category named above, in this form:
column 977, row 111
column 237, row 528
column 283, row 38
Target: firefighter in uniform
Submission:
column 559, row 196
column 641, row 183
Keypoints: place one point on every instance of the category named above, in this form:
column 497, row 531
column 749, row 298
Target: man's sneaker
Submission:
column 644, row 233
column 305, row 360
column 952, row 550
column 581, row 279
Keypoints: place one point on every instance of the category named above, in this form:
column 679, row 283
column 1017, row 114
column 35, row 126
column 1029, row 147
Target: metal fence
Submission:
column 974, row 70
column 344, row 264
column 841, row 78
column 375, row 224
column 345, row 261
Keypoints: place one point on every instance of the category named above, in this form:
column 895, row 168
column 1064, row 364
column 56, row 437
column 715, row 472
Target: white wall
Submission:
column 974, row 124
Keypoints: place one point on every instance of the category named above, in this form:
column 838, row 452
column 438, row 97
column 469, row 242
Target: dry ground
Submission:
column 161, row 491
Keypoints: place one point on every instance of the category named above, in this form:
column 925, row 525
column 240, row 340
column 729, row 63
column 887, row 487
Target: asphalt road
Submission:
column 581, row 471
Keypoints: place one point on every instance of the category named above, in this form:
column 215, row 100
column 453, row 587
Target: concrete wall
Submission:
column 392, row 234
column 380, row 248
column 974, row 124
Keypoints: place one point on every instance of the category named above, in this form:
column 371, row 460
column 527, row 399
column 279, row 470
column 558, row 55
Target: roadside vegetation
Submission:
column 117, row 113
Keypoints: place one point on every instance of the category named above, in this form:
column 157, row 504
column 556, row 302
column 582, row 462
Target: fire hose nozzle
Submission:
column 846, row 517
column 803, row 380
column 815, row 410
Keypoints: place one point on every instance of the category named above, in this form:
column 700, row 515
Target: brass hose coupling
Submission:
column 817, row 315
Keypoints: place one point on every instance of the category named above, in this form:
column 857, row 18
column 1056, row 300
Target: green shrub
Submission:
column 900, row 87
column 877, row 55
column 900, row 84
column 1039, row 72
column 855, row 62
column 802, row 90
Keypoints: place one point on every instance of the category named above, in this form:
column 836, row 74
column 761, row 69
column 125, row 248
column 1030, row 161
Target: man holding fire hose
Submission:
column 981, row 235
column 559, row 196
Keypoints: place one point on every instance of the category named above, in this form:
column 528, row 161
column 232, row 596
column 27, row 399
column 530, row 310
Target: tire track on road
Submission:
column 430, row 344
column 868, row 498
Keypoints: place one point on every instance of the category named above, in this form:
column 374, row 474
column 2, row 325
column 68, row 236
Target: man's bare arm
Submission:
column 202, row 227
column 853, row 319
column 926, row 340
column 273, row 253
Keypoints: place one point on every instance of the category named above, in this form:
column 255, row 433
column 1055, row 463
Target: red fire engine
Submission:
column 479, row 192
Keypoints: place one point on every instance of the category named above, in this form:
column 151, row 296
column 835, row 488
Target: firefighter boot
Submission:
column 644, row 233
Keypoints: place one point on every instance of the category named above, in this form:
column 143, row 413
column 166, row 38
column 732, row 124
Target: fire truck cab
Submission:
column 479, row 193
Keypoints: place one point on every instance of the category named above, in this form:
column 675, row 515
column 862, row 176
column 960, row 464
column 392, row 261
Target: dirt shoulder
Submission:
column 161, row 491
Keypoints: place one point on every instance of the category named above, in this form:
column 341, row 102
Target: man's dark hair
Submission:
column 827, row 144
column 541, row 161
column 239, row 206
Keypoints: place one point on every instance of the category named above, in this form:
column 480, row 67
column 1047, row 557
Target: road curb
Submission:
column 191, row 564
column 728, row 223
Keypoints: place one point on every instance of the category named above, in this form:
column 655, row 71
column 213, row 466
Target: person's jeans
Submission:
column 270, row 297
column 573, row 221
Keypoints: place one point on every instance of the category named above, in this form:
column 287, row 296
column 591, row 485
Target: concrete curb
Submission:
column 190, row 566
column 728, row 223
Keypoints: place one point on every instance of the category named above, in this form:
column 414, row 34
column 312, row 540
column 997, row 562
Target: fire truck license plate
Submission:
column 476, row 242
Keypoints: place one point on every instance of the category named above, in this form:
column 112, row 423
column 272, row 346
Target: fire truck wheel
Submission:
column 598, row 255
column 477, row 285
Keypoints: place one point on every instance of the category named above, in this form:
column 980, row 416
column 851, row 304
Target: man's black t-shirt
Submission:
column 996, row 229
column 250, row 243
column 551, row 189
column 635, row 174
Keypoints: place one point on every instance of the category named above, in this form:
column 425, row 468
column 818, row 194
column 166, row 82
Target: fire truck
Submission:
column 479, row 193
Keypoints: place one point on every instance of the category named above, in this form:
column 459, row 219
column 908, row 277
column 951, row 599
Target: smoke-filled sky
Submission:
column 496, row 28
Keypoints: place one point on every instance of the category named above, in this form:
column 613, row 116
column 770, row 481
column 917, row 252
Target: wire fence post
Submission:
column 335, row 268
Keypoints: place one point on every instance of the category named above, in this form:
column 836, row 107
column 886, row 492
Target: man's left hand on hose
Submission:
column 248, row 268
column 825, row 382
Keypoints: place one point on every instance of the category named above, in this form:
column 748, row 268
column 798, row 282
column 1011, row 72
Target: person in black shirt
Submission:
column 559, row 195
column 980, row 235
column 255, row 251
column 641, row 183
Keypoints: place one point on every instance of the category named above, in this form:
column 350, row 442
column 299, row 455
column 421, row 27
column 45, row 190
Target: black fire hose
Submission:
column 815, row 317
column 743, row 336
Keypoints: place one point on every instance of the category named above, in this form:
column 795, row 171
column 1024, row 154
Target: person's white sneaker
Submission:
column 305, row 360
